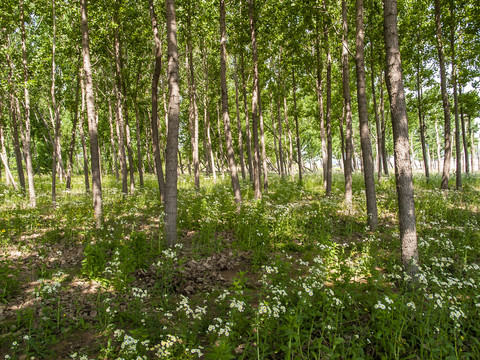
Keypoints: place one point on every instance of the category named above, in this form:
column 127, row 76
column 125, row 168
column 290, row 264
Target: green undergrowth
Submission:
column 296, row 275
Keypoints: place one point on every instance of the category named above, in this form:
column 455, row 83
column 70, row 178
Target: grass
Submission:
column 296, row 275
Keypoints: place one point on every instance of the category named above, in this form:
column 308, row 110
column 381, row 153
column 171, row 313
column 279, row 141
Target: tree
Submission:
column 226, row 118
column 171, row 161
column 364, row 128
column 92, row 124
column 403, row 167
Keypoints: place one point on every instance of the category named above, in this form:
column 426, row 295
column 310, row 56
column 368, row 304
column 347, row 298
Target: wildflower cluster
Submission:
column 220, row 327
column 196, row 314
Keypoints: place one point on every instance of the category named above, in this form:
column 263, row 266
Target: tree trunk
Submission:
column 112, row 137
column 193, row 102
column 206, row 117
column 403, row 169
column 82, row 135
column 383, row 128
column 71, row 149
column 366, row 144
column 458, row 147
column 319, row 89
column 55, row 115
column 239, row 124
column 220, row 157
column 328, row 125
column 464, row 136
column 226, row 118
column 139, row 145
column 171, row 162
column 280, row 146
column 262, row 142
column 247, row 121
column 377, row 120
column 295, row 116
column 290, row 143
column 92, row 125
column 348, row 109
column 446, row 103
column 154, row 122
column 422, row 125
column 255, row 111
column 27, row 135
column 437, row 137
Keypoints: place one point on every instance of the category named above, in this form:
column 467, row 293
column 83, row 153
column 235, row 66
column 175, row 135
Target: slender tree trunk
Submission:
column 247, row 121
column 328, row 125
column 154, row 121
column 255, row 111
column 193, row 102
column 464, row 136
column 239, row 124
column 319, row 88
column 112, row 137
column 458, row 146
column 437, row 137
column 274, row 133
column 173, row 127
column 290, row 143
column 226, row 118
column 472, row 151
column 71, row 149
column 206, row 117
column 280, row 146
column 139, row 145
column 446, row 103
column 383, row 128
column 27, row 135
column 422, row 125
column 92, row 125
column 221, row 157
column 377, row 120
column 120, row 127
column 82, row 135
column 8, row 175
column 403, row 169
column 295, row 115
column 262, row 142
column 348, row 109
column 366, row 144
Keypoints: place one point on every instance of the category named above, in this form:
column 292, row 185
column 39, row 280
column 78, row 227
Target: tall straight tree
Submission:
column 154, row 121
column 92, row 123
column 458, row 147
column 445, row 101
column 255, row 108
column 363, row 117
column 328, row 115
column 239, row 124
column 403, row 167
column 247, row 121
column 226, row 118
column 27, row 129
column 348, row 108
column 171, row 161
column 295, row 116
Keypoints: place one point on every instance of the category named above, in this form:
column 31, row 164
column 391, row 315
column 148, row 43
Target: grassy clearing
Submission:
column 294, row 276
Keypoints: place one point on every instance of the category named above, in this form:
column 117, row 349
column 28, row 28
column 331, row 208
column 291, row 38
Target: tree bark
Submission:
column 422, row 124
column 280, row 146
column 71, row 149
column 383, row 128
column 206, row 118
column 239, row 123
column 112, row 137
column 226, row 118
column 262, row 141
column 445, row 101
column 458, row 147
column 255, row 111
column 464, row 136
column 328, row 115
column 92, row 125
column 154, row 121
column 403, row 169
column 27, row 135
column 193, row 102
column 377, row 119
column 348, row 109
column 247, row 120
column 366, row 144
column 82, row 134
column 319, row 88
column 173, row 127
column 295, row 116
column 437, row 137
column 55, row 115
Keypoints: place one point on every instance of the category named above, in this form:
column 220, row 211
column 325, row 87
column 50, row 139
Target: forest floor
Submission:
column 297, row 275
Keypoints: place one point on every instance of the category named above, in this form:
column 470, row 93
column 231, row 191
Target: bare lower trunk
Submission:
column 173, row 127
column 112, row 137
column 92, row 125
column 437, row 137
column 262, row 142
column 82, row 135
column 226, row 118
column 422, row 125
column 464, row 136
column 247, row 121
column 154, row 121
column 27, row 135
column 206, row 117
column 364, row 128
column 348, row 109
column 295, row 116
column 71, row 149
column 403, row 169
column 239, row 124
column 378, row 143
column 383, row 128
column 280, row 146
column 458, row 147
column 328, row 125
column 319, row 89
column 290, row 143
column 445, row 101
column 255, row 111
